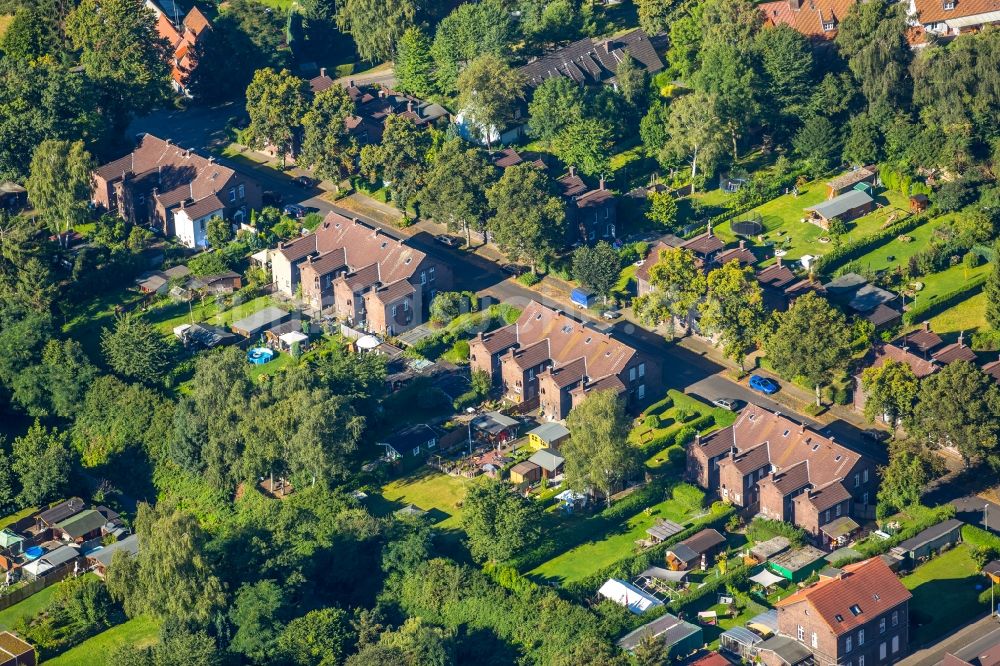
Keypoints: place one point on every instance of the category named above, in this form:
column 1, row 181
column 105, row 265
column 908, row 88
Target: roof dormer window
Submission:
column 949, row 4
column 828, row 26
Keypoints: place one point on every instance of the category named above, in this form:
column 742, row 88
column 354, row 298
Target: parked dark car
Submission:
column 305, row 182
column 294, row 211
column 514, row 269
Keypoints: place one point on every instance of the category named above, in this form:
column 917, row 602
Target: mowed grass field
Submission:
column 782, row 220
column 96, row 651
column 968, row 316
column 944, row 594
column 427, row 489
column 588, row 558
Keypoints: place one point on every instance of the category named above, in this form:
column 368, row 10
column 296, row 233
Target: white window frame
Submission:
column 882, row 651
column 243, row 191
column 631, row 374
column 838, row 511
column 861, row 637
column 848, row 644
column 881, row 627
column 895, row 644
column 801, row 634
column 895, row 618
column 232, row 194
column 815, row 640
column 416, row 450
column 861, row 660
column 641, row 392
column 642, row 369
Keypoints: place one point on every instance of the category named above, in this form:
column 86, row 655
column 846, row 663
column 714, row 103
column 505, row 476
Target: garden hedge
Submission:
column 862, row 246
column 927, row 310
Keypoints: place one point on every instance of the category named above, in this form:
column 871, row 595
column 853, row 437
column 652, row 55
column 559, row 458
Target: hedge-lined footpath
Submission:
column 927, row 310
column 862, row 246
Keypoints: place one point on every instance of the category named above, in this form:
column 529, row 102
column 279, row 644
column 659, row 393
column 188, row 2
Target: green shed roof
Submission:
column 82, row 523
column 8, row 539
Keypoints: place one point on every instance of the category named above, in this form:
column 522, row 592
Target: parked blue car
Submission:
column 764, row 385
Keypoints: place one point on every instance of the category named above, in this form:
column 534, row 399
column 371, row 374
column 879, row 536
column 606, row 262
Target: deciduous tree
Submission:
column 455, row 191
column 733, row 309
column 695, row 134
column 598, row 454
column 319, row 638
column 276, row 102
column 376, row 25
column 498, row 522
column 890, row 391
column 992, row 291
column 597, row 267
column 42, row 464
column 678, row 284
column 662, row 209
column 471, row 30
column 59, row 184
column 905, row 478
column 586, row 144
column 489, row 92
column 811, row 340
column 529, row 222
column 171, row 576
column 326, row 144
column 555, row 104
column 400, row 160
column 959, row 406
column 123, row 53
column 872, row 37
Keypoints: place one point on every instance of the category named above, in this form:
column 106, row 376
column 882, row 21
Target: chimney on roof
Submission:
column 409, row 106
column 572, row 171
column 322, row 71
column 710, row 227
column 927, row 325
column 602, row 182
column 743, row 244
column 961, row 339
column 779, row 261
column 351, row 83
column 795, row 4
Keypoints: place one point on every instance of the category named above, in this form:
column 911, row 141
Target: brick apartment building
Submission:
column 174, row 189
column 767, row 463
column 857, row 616
column 548, row 359
column 360, row 274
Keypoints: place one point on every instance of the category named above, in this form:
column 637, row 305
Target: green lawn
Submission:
column 668, row 409
column 427, row 489
column 944, row 595
column 88, row 318
column 900, row 251
column 168, row 314
column 783, row 225
column 27, row 608
column 139, row 632
column 967, row 316
column 946, row 281
column 608, row 548
column 14, row 517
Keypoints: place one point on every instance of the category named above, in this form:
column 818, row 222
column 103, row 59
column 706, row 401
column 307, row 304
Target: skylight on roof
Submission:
column 837, row 459
column 587, row 341
column 785, row 434
column 815, row 446
column 567, row 329
column 856, row 609
column 838, row 618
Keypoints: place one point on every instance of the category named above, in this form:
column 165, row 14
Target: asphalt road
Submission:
column 967, row 643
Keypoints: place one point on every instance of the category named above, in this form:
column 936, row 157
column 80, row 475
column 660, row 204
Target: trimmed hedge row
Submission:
column 953, row 297
column 862, row 246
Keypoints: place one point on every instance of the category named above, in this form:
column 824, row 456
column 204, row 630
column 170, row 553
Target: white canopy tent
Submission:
column 766, row 579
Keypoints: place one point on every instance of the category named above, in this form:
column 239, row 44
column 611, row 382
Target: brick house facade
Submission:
column 362, row 275
column 547, row 358
column 766, row 463
column 173, row 189
column 857, row 617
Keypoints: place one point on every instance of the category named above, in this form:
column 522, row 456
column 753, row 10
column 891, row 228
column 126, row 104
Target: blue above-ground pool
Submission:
column 34, row 552
column 260, row 355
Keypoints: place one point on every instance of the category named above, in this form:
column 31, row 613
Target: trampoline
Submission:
column 34, row 552
column 260, row 355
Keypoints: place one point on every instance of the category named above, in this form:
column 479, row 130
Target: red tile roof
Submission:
column 826, row 497
column 954, row 352
column 776, row 275
column 923, row 339
column 933, row 11
column 742, row 254
column 809, row 18
column 869, row 587
column 920, row 367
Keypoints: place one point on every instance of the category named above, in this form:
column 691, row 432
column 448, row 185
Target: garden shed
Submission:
column 681, row 638
column 550, row 462
column 847, row 206
column 797, row 565
column 931, row 540
column 525, row 472
column 548, row 435
column 765, row 550
column 258, row 322
column 663, row 530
